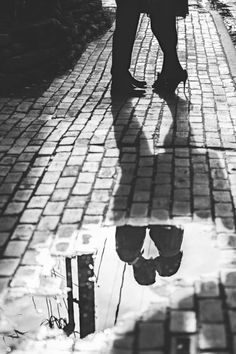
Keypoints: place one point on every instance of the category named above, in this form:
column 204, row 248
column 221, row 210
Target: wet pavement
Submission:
column 75, row 164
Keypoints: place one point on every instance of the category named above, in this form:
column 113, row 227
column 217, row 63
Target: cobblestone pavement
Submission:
column 73, row 157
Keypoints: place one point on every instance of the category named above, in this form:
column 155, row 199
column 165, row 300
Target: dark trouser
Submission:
column 130, row 239
column 127, row 18
column 163, row 26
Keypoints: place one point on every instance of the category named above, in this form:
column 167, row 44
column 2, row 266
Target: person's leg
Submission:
column 163, row 24
column 129, row 242
column 168, row 240
column 127, row 18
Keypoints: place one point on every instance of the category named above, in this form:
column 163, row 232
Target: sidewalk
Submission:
column 73, row 158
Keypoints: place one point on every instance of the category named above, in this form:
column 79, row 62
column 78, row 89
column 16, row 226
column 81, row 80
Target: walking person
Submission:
column 163, row 24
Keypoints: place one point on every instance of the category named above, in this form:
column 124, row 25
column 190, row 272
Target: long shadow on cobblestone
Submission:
column 200, row 186
column 167, row 177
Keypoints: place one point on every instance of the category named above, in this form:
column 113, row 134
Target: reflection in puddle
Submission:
column 167, row 240
column 101, row 295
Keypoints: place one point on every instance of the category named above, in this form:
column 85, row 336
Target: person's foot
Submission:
column 126, row 84
column 135, row 82
column 168, row 266
column 144, row 270
column 167, row 83
column 124, row 88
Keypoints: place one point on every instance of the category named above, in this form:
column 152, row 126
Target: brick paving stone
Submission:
column 7, row 223
column 224, row 225
column 71, row 216
column 123, row 342
column 14, row 177
column 225, row 241
column 31, row 216
column 29, row 182
column 141, row 196
column 71, row 171
column 4, row 170
column 223, row 209
column 40, row 239
column 210, row 311
column 230, row 297
column 222, row 196
column 48, row 223
column 14, row 208
column 100, row 196
column 82, row 188
column 139, row 210
column 8, row 266
column 30, row 258
column 56, row 166
column 45, row 189
column 77, row 201
column 208, row 286
column 212, row 336
column 232, row 320
column 201, row 202
column 66, row 182
column 181, row 208
column 54, row 208
column 151, row 335
column 161, row 203
column 38, row 202
column 182, row 194
column 95, row 208
column 60, row 195
column 15, row 249
column 23, row 232
column 20, row 167
column 228, row 277
column 7, row 188
column 103, row 183
column 26, row 276
column 3, row 285
column 4, row 200
column 86, row 177
column 66, row 230
column 163, row 191
column 183, row 321
column 150, row 351
column 4, row 237
column 227, row 257
column 106, row 172
column 182, row 298
column 51, row 177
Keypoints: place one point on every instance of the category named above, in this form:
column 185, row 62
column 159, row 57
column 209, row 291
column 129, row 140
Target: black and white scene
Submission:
column 118, row 176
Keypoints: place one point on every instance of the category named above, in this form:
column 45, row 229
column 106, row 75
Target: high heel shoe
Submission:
column 168, row 85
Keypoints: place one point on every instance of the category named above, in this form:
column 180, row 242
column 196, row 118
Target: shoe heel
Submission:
column 184, row 81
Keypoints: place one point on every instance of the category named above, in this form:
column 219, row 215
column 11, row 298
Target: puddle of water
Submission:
column 114, row 283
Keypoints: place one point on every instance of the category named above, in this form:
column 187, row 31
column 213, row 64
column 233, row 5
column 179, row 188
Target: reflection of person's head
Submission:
column 168, row 241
